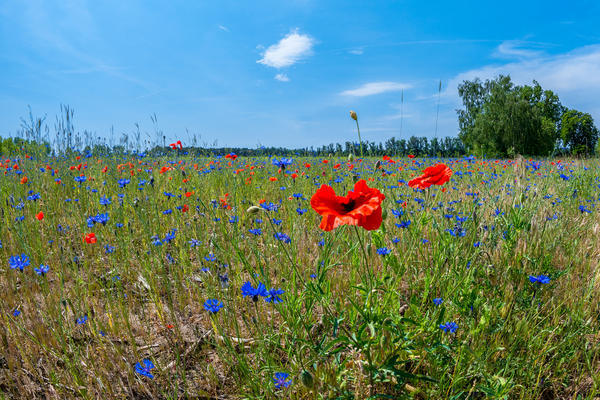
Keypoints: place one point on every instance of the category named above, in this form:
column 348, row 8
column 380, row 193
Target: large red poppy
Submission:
column 362, row 207
column 435, row 175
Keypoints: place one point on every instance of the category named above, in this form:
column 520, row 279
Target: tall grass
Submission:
column 353, row 324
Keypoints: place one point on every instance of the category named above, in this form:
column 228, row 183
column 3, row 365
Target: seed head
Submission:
column 253, row 209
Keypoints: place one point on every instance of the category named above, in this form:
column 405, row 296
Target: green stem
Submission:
column 359, row 139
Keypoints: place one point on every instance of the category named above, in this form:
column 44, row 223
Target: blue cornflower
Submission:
column 16, row 312
column 123, row 182
column 283, row 237
column 282, row 163
column 170, row 235
column 256, row 231
column 584, row 209
column 476, row 244
column 104, row 201
column 19, row 262
column 270, row 206
column 273, row 296
column 437, row 301
column 458, row 231
column 109, row 249
column 81, row 320
column 156, row 240
column 194, row 243
column 145, row 369
column 277, row 221
column 210, row 257
column 101, row 218
column 167, row 211
column 540, row 279
column 383, row 251
column 282, row 380
column 403, row 224
column 42, row 270
column 233, row 219
column 449, row 327
column 251, row 291
column 80, row 179
column 301, row 211
column 396, row 240
column 213, row 305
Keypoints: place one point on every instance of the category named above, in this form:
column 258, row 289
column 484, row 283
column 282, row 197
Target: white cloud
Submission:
column 573, row 76
column 516, row 49
column 288, row 51
column 372, row 88
column 223, row 28
column 356, row 52
column 282, row 78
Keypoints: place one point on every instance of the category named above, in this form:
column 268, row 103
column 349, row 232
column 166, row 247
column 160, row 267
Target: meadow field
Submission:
column 128, row 276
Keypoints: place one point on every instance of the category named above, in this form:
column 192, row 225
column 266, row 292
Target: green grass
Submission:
column 365, row 326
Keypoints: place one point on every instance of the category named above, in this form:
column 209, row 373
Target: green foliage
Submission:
column 578, row 132
column 501, row 118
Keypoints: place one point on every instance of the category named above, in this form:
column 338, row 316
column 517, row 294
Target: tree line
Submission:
column 498, row 119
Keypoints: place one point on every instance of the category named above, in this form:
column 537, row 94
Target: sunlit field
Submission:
column 181, row 277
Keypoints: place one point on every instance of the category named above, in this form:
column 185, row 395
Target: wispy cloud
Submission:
column 224, row 28
column 356, row 52
column 282, row 78
column 288, row 51
column 71, row 39
column 516, row 49
column 372, row 88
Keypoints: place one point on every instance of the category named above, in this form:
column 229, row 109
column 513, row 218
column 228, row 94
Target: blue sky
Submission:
column 284, row 73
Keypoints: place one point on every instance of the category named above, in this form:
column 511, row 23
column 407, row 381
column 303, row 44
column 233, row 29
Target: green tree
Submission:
column 578, row 132
column 502, row 119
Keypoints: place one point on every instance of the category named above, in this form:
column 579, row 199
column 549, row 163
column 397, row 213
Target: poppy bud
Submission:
column 378, row 164
column 307, row 379
column 353, row 115
column 253, row 210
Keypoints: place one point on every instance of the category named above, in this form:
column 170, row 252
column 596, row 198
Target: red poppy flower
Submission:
column 40, row 216
column 176, row 145
column 411, row 156
column 90, row 238
column 435, row 175
column 362, row 207
column 24, row 180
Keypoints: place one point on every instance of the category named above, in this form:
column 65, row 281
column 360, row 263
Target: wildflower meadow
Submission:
column 217, row 276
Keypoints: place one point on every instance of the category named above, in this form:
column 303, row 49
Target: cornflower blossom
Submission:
column 144, row 370
column 19, row 262
column 273, row 296
column 213, row 305
column 449, row 327
column 282, row 380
